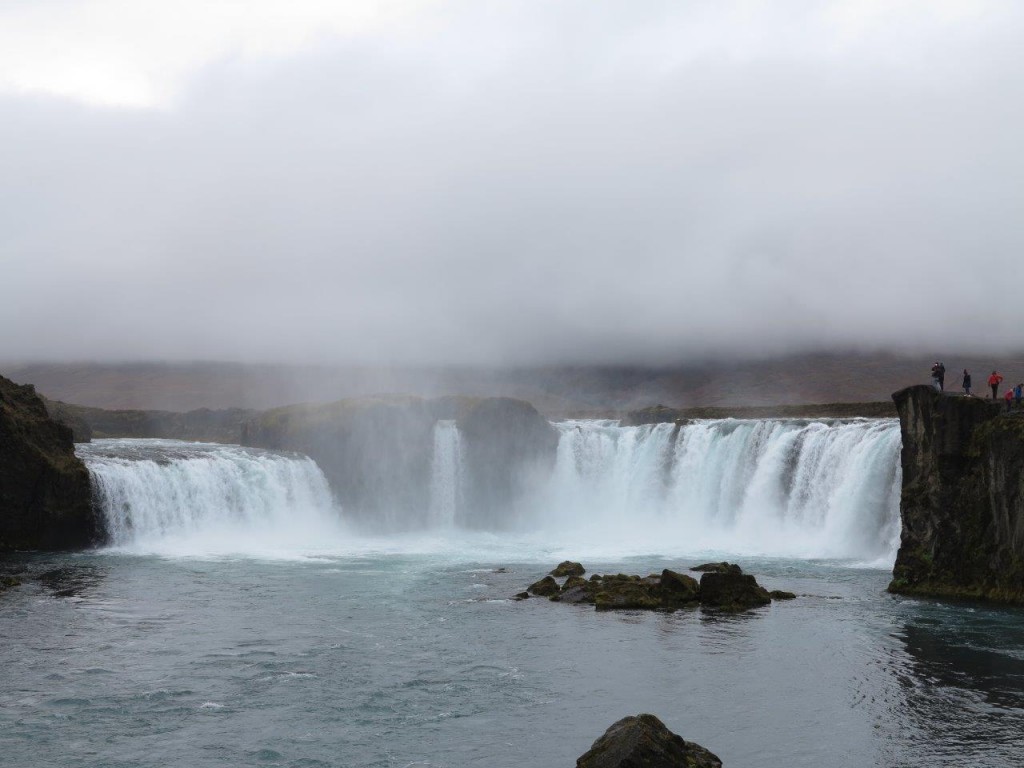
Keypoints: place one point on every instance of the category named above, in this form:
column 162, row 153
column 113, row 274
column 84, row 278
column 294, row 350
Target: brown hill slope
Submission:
column 555, row 390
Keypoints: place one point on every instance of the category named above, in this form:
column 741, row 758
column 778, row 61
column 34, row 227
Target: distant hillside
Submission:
column 556, row 391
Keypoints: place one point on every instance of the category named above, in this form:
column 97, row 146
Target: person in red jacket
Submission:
column 1009, row 399
column 994, row 381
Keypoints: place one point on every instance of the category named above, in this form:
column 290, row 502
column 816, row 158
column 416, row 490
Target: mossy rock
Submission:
column 780, row 594
column 678, row 589
column 722, row 567
column 644, row 741
column 732, row 592
column 545, row 587
column 626, row 595
column 568, row 568
column 574, row 581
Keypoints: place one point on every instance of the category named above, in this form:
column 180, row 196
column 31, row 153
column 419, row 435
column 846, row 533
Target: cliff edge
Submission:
column 962, row 504
column 45, row 494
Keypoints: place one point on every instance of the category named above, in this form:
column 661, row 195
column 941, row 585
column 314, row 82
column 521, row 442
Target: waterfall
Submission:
column 783, row 488
column 771, row 487
column 169, row 496
column 446, row 475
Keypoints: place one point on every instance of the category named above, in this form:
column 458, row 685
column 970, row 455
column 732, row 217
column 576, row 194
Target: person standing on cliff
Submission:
column 993, row 381
column 1009, row 399
column 942, row 377
column 967, row 383
column 1018, row 393
column 935, row 376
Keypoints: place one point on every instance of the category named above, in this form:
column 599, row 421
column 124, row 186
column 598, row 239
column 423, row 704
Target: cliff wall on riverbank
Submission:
column 45, row 494
column 962, row 503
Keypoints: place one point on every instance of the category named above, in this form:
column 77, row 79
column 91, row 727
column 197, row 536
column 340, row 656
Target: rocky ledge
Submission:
column 722, row 586
column 45, row 494
column 962, row 503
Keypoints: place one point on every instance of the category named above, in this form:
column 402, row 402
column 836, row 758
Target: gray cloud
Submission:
column 510, row 183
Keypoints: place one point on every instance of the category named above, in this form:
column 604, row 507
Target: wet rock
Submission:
column 779, row 594
column 732, row 591
column 545, row 587
column 722, row 567
column 617, row 595
column 522, row 595
column 574, row 581
column 45, row 492
column 579, row 592
column 643, row 741
column 568, row 568
column 678, row 589
column 962, row 506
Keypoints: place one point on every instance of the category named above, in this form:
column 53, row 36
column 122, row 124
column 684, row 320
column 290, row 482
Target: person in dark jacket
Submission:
column 942, row 377
column 967, row 382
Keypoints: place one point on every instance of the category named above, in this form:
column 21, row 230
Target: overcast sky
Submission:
column 508, row 182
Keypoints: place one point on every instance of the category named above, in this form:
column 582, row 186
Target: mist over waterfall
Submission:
column 173, row 497
column 772, row 487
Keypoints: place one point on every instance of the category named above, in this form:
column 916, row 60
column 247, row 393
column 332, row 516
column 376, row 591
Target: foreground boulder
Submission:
column 45, row 493
column 643, row 741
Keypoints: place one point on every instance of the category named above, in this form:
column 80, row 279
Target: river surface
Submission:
column 388, row 659
column 239, row 618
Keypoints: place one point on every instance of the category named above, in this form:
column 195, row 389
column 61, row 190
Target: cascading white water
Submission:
column 772, row 487
column 447, row 475
column 784, row 488
column 173, row 497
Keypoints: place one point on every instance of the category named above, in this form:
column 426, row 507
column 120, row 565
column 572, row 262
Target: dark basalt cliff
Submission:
column 509, row 447
column 376, row 452
column 962, row 503
column 45, row 495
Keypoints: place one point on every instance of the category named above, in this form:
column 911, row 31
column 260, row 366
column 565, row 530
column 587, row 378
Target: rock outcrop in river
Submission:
column 45, row 495
column 722, row 586
column 643, row 741
column 962, row 504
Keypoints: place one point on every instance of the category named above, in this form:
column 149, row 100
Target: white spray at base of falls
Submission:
column 179, row 498
column 786, row 488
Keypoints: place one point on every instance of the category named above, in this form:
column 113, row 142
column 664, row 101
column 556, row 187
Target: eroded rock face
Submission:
column 643, row 741
column 962, row 503
column 45, row 493
column 377, row 452
column 509, row 449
